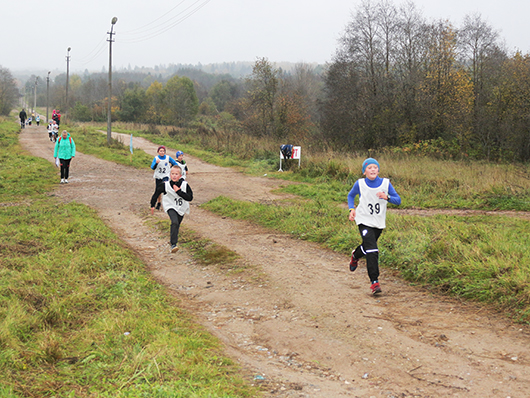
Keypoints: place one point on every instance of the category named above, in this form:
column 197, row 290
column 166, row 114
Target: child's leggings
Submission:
column 369, row 249
column 176, row 219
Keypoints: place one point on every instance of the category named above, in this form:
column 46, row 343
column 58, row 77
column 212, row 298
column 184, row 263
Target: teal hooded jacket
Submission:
column 64, row 148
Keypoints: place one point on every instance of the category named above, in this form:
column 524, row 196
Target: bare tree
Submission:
column 363, row 41
column 308, row 85
column 411, row 44
column 476, row 40
column 262, row 96
column 388, row 31
column 481, row 54
column 8, row 92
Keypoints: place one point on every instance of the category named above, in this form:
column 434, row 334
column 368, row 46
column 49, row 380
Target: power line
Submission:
column 163, row 29
column 152, row 22
column 142, row 34
column 89, row 57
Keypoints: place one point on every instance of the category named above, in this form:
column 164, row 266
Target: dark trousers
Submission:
column 369, row 249
column 158, row 181
column 176, row 219
column 65, row 168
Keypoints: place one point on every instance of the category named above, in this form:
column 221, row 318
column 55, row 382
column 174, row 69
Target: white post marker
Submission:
column 296, row 154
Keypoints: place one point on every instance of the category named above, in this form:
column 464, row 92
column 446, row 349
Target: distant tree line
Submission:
column 396, row 81
column 269, row 101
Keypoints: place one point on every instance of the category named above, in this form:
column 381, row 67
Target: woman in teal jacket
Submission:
column 65, row 151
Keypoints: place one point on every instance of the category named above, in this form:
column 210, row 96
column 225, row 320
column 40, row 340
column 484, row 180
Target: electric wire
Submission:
column 89, row 57
column 152, row 22
column 147, row 32
column 163, row 29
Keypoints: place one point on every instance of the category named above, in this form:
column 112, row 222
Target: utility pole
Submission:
column 35, row 96
column 67, row 82
column 47, row 95
column 109, row 113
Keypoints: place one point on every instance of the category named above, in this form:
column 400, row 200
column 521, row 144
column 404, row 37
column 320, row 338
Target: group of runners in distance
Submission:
column 173, row 194
column 25, row 120
column 64, row 150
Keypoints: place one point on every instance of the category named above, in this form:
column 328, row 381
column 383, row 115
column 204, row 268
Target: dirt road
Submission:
column 297, row 320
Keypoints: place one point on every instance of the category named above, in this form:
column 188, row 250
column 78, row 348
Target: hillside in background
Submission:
column 235, row 69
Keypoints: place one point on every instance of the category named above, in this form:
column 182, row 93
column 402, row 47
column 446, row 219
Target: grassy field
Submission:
column 80, row 316
column 481, row 258
column 421, row 181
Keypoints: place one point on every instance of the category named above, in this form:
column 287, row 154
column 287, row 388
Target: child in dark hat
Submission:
column 182, row 163
column 370, row 215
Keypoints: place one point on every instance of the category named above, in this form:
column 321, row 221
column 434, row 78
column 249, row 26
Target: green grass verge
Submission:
column 191, row 147
column 421, row 182
column 80, row 316
column 91, row 142
column 20, row 176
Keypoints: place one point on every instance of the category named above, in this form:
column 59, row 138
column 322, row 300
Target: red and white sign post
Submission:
column 294, row 155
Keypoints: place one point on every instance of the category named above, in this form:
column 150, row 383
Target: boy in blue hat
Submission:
column 182, row 163
column 370, row 215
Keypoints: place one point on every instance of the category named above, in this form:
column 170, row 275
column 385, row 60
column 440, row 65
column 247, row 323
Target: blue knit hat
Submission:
column 370, row 161
column 179, row 153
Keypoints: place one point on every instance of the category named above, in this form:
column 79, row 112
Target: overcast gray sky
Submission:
column 36, row 33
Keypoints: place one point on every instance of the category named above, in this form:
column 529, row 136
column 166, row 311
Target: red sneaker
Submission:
column 353, row 263
column 376, row 289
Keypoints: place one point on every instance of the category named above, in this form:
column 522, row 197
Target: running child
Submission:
column 176, row 197
column 374, row 194
column 55, row 130
column 161, row 164
column 182, row 163
column 50, row 131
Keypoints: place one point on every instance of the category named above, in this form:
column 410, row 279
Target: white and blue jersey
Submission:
column 371, row 210
column 163, row 167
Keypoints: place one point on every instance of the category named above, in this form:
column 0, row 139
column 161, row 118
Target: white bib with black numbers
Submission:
column 371, row 210
column 163, row 168
column 173, row 201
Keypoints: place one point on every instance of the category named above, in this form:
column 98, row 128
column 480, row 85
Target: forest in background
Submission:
column 397, row 82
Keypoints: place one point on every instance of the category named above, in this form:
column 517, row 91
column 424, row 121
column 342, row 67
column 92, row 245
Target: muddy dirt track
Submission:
column 297, row 320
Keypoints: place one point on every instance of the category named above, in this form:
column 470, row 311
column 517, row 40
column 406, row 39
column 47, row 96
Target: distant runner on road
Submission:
column 23, row 116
